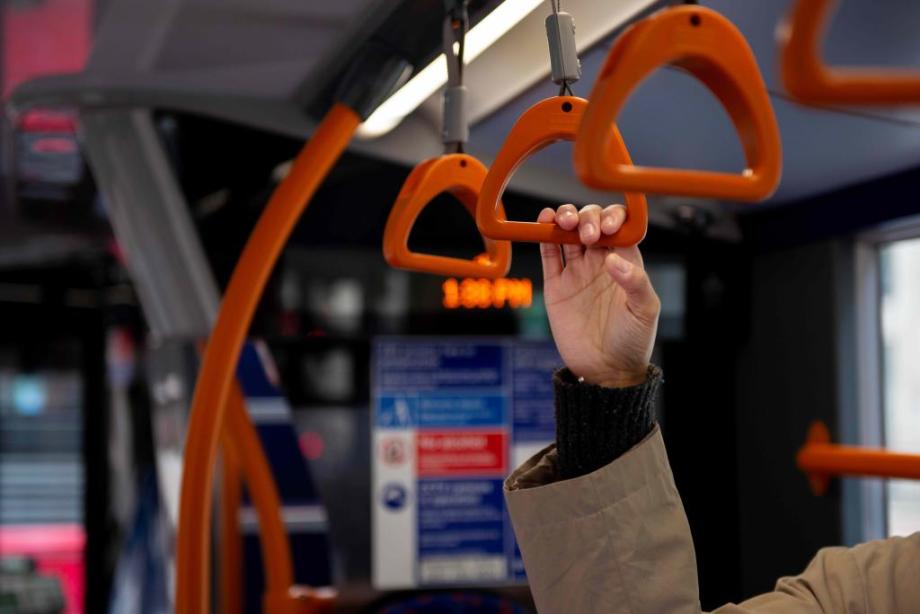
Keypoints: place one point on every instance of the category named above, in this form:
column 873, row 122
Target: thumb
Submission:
column 641, row 299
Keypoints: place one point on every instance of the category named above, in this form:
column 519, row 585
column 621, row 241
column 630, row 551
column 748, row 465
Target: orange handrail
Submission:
column 257, row 475
column 245, row 458
column 821, row 460
column 548, row 121
column 708, row 46
column 216, row 377
column 230, row 568
column 810, row 81
column 460, row 175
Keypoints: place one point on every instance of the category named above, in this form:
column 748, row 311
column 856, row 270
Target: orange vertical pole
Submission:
column 244, row 459
column 230, row 566
column 257, row 475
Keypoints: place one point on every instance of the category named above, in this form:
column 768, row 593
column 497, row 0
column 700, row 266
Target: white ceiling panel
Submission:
column 244, row 59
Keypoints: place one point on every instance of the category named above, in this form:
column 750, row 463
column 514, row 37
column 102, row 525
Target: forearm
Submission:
column 614, row 541
column 602, row 528
column 877, row 576
column 598, row 518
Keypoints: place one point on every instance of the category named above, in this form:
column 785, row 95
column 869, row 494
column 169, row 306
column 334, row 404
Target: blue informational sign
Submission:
column 440, row 410
column 451, row 419
column 534, row 411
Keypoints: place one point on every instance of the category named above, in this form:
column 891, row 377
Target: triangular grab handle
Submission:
column 549, row 121
column 808, row 80
column 708, row 46
column 462, row 176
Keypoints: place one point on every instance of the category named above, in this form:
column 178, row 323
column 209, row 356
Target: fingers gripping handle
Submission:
column 549, row 121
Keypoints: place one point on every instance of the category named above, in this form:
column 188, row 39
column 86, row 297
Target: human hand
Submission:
column 603, row 310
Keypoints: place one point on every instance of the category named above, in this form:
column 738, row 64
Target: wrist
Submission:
column 595, row 425
column 618, row 378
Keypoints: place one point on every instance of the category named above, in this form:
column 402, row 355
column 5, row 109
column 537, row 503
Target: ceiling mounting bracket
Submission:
column 563, row 52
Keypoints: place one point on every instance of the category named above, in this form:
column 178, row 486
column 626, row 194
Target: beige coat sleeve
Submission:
column 616, row 541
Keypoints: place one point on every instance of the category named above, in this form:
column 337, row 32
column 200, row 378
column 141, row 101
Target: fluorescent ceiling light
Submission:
column 431, row 78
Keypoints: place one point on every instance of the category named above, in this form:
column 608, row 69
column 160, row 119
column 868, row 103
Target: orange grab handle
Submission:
column 821, row 459
column 809, row 81
column 216, row 377
column 549, row 121
column 709, row 47
column 460, row 175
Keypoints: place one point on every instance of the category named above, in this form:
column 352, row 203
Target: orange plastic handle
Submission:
column 460, row 175
column 809, row 81
column 821, row 459
column 549, row 121
column 709, row 47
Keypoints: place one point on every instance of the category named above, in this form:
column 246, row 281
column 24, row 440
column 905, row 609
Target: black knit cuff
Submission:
column 595, row 425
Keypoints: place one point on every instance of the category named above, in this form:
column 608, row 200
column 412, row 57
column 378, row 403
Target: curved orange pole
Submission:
column 821, row 459
column 244, row 458
column 257, row 475
column 216, row 378
column 230, row 584
column 810, row 81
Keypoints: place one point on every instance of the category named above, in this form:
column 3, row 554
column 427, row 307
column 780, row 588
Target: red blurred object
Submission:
column 39, row 38
column 54, row 145
column 44, row 38
column 57, row 551
column 312, row 445
column 48, row 121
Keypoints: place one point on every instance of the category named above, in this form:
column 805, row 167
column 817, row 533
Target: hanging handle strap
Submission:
column 455, row 129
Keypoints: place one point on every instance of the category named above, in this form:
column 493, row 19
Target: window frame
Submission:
column 862, row 368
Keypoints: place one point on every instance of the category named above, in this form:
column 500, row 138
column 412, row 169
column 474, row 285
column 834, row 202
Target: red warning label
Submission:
column 461, row 453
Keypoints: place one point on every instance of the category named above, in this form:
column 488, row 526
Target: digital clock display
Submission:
column 472, row 293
